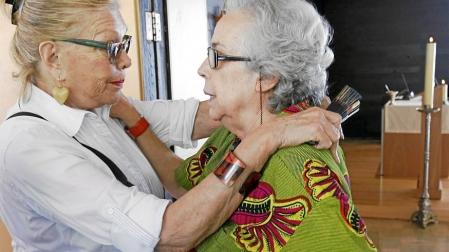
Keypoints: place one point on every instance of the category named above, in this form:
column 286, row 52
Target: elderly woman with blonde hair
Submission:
column 72, row 179
column 268, row 59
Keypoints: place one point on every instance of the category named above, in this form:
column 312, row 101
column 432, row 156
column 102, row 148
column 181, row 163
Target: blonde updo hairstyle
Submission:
column 46, row 20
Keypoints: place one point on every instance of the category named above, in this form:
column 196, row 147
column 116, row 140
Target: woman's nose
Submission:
column 204, row 67
column 123, row 61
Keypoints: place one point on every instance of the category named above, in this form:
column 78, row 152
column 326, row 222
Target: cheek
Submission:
column 226, row 103
column 99, row 75
column 99, row 87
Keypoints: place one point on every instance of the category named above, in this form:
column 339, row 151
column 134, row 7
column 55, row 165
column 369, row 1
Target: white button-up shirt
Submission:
column 56, row 195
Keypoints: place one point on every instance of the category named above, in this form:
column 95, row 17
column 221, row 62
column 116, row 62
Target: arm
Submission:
column 210, row 203
column 199, row 212
column 93, row 202
column 204, row 126
column 163, row 160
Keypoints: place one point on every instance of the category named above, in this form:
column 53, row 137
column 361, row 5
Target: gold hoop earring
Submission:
column 60, row 93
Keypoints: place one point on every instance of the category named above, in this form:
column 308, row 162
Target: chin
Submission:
column 215, row 116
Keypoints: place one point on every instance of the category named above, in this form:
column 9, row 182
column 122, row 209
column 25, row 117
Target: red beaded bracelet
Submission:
column 138, row 129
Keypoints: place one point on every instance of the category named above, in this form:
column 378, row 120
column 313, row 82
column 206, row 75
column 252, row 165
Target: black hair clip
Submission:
column 15, row 7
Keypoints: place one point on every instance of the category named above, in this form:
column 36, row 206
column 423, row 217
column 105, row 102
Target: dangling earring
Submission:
column 260, row 95
column 60, row 93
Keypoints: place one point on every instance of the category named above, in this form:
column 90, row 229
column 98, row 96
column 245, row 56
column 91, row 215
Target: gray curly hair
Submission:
column 288, row 39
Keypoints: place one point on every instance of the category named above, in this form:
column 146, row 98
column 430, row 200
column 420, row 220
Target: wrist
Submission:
column 255, row 149
column 138, row 128
column 268, row 137
column 131, row 119
column 231, row 168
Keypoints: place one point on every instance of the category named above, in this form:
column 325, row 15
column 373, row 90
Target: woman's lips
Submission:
column 211, row 96
column 118, row 83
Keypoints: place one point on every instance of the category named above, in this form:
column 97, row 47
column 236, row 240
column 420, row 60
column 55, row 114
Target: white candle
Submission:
column 429, row 75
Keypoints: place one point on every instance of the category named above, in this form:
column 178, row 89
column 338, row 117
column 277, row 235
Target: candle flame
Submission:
column 443, row 81
column 431, row 40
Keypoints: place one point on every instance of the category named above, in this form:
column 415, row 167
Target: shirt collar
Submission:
column 66, row 118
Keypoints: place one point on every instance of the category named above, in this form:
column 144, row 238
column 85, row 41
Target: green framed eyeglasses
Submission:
column 113, row 49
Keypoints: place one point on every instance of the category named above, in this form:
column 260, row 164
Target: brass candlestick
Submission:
column 424, row 216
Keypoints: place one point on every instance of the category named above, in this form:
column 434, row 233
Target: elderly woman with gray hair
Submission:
column 73, row 180
column 268, row 59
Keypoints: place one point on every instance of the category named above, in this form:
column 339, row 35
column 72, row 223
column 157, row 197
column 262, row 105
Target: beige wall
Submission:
column 9, row 87
column 132, row 87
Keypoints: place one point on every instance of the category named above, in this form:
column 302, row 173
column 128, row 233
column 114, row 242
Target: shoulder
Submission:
column 26, row 128
column 299, row 159
column 24, row 138
column 298, row 155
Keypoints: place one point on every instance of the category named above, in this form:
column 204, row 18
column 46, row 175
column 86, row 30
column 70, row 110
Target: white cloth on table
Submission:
column 56, row 195
column 402, row 116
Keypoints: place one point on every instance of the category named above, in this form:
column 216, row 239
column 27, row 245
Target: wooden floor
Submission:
column 404, row 236
column 387, row 204
column 380, row 197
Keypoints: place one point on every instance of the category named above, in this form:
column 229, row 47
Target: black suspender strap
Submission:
column 114, row 169
column 24, row 113
column 119, row 175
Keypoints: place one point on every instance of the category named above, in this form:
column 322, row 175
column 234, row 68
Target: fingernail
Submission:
column 341, row 134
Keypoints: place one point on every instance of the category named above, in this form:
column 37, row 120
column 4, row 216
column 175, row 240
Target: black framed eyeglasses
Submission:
column 213, row 58
column 113, row 49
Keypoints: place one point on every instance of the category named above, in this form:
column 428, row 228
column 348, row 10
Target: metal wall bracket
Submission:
column 153, row 26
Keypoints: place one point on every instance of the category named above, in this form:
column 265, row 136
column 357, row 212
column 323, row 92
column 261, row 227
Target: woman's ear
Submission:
column 48, row 53
column 266, row 83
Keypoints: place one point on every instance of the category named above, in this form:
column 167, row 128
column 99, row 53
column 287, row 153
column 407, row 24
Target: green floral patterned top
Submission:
column 302, row 203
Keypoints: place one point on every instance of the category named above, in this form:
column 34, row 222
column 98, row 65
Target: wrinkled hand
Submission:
column 312, row 125
column 125, row 111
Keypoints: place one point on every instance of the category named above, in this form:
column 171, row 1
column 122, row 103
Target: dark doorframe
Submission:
column 155, row 54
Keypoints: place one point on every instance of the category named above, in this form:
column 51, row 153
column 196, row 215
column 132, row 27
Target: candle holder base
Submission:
column 424, row 216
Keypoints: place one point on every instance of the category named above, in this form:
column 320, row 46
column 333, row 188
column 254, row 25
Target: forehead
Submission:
column 105, row 23
column 228, row 34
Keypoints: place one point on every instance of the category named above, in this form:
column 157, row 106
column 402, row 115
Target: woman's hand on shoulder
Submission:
column 316, row 125
column 125, row 111
column 312, row 125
